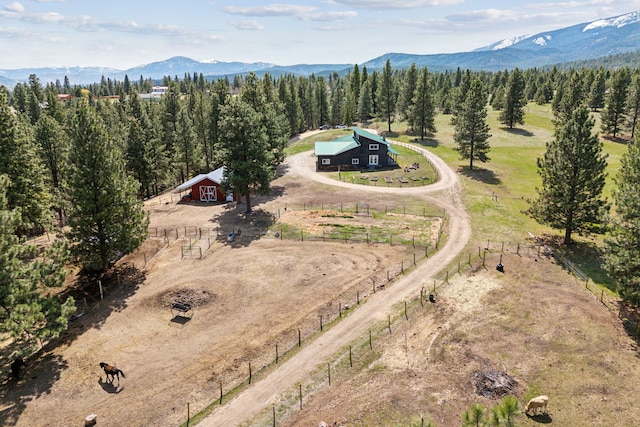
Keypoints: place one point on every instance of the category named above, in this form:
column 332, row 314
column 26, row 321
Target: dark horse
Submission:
column 15, row 367
column 111, row 371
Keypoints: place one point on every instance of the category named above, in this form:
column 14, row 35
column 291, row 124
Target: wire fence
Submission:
column 332, row 311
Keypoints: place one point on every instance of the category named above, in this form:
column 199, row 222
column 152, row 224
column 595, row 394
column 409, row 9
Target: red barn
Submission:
column 206, row 187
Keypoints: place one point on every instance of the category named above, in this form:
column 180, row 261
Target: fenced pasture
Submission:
column 359, row 354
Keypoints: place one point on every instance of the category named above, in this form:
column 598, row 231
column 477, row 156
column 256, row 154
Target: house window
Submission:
column 374, row 159
column 374, row 147
column 355, row 161
column 326, row 161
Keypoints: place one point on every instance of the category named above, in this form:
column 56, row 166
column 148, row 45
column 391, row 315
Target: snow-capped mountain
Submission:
column 583, row 41
column 617, row 22
column 603, row 37
column 503, row 43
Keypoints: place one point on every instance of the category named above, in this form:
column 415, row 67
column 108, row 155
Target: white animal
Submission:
column 536, row 403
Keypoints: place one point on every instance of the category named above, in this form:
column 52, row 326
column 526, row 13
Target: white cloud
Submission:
column 276, row 9
column 14, row 7
column 303, row 13
column 397, row 4
column 485, row 15
column 247, row 25
column 10, row 32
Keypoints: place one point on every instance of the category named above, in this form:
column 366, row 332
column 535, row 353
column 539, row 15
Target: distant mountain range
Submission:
column 604, row 37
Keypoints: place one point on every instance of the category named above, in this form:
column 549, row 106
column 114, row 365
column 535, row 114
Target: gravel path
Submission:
column 444, row 193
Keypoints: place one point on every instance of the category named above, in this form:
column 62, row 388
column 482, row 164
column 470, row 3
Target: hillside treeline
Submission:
column 88, row 160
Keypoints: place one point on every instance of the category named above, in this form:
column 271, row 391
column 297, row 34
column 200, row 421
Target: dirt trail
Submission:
column 444, row 193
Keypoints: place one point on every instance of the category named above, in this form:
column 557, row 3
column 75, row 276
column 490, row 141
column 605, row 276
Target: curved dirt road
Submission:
column 444, row 193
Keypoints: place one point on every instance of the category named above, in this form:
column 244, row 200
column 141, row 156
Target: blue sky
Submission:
column 124, row 34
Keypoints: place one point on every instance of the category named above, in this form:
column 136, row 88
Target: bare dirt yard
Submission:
column 534, row 322
column 247, row 296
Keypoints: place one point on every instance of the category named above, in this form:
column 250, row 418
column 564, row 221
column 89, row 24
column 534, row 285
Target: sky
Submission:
column 125, row 34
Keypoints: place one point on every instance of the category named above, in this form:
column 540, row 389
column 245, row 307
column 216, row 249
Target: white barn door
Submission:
column 208, row 193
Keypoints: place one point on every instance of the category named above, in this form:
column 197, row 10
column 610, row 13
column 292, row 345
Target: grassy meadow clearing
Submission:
column 497, row 192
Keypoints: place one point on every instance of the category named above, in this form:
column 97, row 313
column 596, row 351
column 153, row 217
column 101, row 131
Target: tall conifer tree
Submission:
column 573, row 177
column 621, row 245
column 471, row 128
column 106, row 217
column 515, row 101
column 28, row 313
column 386, row 97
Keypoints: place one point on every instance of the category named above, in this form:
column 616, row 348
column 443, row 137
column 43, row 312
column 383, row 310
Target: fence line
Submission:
column 334, row 310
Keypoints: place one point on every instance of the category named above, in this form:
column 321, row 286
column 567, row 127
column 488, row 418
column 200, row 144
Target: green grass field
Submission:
column 496, row 193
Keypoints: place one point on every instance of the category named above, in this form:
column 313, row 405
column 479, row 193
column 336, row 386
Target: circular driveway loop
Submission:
column 443, row 193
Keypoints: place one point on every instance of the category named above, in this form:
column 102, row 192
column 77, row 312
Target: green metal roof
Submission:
column 337, row 146
column 349, row 142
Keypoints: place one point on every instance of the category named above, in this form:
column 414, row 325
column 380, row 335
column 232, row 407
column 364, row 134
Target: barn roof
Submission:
column 215, row 176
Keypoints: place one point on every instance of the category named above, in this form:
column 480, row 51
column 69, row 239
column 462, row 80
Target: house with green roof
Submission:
column 360, row 150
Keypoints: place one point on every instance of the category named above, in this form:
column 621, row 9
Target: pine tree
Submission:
column 407, row 92
column 355, row 83
column 322, row 101
column 569, row 97
column 471, row 128
column 386, row 96
column 365, row 104
column 138, row 143
column 106, row 218
column 423, row 110
column 459, row 94
column 29, row 314
column 573, row 177
column 244, row 148
column 614, row 114
column 515, row 101
column 474, row 417
column 21, row 164
column 621, row 245
column 633, row 104
column 188, row 153
column 597, row 91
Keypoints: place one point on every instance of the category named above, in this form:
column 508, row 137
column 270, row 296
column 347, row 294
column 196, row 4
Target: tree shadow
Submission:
column 428, row 142
column 240, row 229
column 486, row 176
column 518, row 131
column 41, row 373
column 618, row 139
column 586, row 256
column 92, row 309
